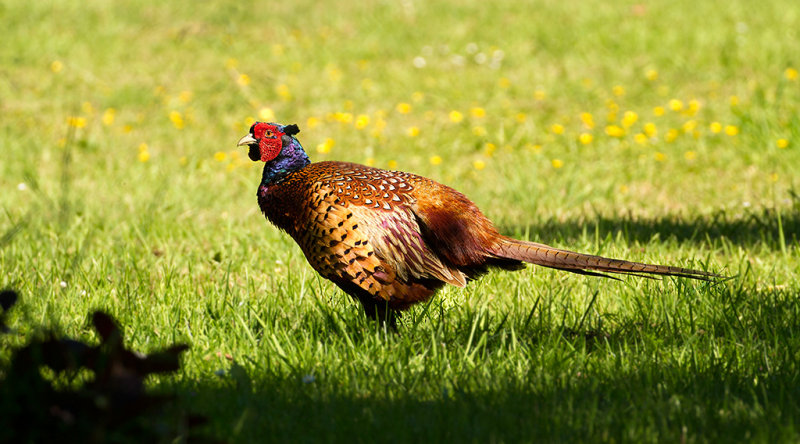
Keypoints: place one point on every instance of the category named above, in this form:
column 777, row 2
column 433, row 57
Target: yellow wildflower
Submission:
column 689, row 126
column 479, row 131
column 690, row 155
column 731, row 130
column 660, row 157
column 231, row 63
column 456, row 116
column 585, row 138
column 588, row 120
column 504, row 82
column 144, row 156
column 183, row 161
column 694, row 107
column 283, row 92
column 477, row 112
column 392, row 164
column 789, row 73
column 56, row 66
column 326, row 146
column 77, row 122
column 243, row 80
column 557, row 163
column 266, row 114
column 177, row 119
column 629, row 119
column 403, row 108
column 521, row 117
column 370, row 161
column 108, row 116
column 127, row 128
column 311, row 122
column 615, row 131
column 417, row 96
column 618, row 90
column 651, row 75
column 219, row 156
column 412, row 131
column 557, row 128
column 782, row 143
column 658, row 111
column 362, row 121
column 671, row 135
column 640, row 138
column 490, row 149
column 675, row 104
column 479, row 164
column 539, row 94
column 734, row 100
column 715, row 127
column 650, row 129
column 435, row 160
column 185, row 96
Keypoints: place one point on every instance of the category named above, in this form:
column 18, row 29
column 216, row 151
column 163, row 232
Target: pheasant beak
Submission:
column 247, row 140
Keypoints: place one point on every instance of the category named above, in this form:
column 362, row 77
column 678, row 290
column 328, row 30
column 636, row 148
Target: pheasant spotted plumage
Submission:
column 391, row 239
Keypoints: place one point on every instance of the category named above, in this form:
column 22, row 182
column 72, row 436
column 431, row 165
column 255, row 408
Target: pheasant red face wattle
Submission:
column 269, row 139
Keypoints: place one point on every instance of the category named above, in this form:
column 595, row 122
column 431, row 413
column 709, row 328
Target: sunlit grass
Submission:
column 664, row 132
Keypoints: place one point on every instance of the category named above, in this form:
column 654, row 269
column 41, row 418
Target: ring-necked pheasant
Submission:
column 391, row 239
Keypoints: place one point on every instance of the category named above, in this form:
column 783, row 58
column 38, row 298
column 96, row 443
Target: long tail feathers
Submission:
column 547, row 256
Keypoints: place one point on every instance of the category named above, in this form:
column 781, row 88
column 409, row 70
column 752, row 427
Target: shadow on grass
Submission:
column 746, row 228
column 637, row 390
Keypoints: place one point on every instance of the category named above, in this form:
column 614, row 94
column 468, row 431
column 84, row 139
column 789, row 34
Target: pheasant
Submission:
column 391, row 239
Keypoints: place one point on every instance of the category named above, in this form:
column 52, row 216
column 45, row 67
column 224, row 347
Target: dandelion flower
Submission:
column 521, row 117
column 185, row 96
column 773, row 177
column 219, row 156
column 231, row 63
column 557, row 128
column 435, row 160
column 640, row 138
column 412, row 131
column 56, row 66
column 456, row 116
column 690, row 155
column 312, row 122
column 490, row 149
column 477, row 112
column 671, row 135
column 618, row 90
column 734, row 100
column 585, row 138
column 675, row 105
column 588, row 120
column 539, row 94
column 144, row 156
column 629, row 119
column 403, row 108
column 392, row 164
column 77, row 122
column 370, row 161
column 479, row 164
column 731, row 130
column 715, row 127
column 557, row 163
column 503, row 82
column 108, row 116
column 362, row 121
column 283, row 92
column 651, row 75
column 658, row 111
column 650, row 129
column 782, row 143
column 615, row 131
column 266, row 114
column 325, row 147
column 243, row 80
column 177, row 119
column 789, row 73
column 660, row 157
column 689, row 126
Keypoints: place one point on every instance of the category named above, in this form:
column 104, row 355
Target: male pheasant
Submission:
column 391, row 239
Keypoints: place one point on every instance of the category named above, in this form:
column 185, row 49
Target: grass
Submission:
column 123, row 190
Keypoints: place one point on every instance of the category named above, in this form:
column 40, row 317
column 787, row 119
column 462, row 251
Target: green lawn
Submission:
column 662, row 131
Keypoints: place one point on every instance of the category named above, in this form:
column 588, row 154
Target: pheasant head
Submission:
column 275, row 145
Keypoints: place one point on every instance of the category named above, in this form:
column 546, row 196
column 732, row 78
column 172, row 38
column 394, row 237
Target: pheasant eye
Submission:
column 268, row 133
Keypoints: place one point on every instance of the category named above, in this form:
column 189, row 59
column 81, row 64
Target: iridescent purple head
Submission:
column 277, row 146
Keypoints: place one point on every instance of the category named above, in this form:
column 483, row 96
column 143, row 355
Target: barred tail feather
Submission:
column 547, row 256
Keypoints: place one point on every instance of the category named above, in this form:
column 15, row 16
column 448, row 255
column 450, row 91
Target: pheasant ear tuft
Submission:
column 291, row 130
